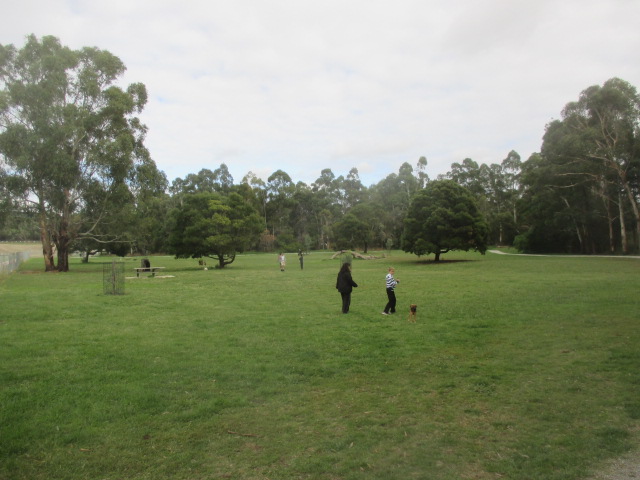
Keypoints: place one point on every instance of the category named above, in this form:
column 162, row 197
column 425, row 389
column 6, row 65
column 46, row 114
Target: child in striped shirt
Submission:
column 391, row 294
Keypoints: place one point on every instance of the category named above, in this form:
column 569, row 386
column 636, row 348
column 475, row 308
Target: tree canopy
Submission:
column 69, row 138
column 215, row 226
column 588, row 174
column 74, row 170
column 443, row 217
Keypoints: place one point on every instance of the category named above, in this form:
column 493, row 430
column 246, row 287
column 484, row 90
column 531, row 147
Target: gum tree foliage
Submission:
column 496, row 189
column 215, row 226
column 443, row 217
column 596, row 147
column 69, row 138
column 582, row 192
column 391, row 198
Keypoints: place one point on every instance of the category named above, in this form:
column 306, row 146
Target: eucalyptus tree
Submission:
column 421, row 169
column 206, row 180
column 551, row 217
column 391, row 198
column 354, row 191
column 599, row 139
column 468, row 174
column 259, row 188
column 329, row 190
column 280, row 191
column 67, row 132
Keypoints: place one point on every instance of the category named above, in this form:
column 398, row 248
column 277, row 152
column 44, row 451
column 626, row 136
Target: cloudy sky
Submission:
column 304, row 85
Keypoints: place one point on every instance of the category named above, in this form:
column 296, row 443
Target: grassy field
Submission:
column 518, row 368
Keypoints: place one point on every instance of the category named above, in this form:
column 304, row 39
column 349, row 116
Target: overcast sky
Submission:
column 304, row 85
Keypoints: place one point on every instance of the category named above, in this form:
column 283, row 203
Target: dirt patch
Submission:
column 623, row 468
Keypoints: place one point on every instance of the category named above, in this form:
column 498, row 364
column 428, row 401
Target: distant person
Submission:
column 301, row 255
column 345, row 285
column 391, row 283
column 282, row 261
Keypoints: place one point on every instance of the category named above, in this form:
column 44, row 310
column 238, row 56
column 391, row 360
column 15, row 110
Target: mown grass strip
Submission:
column 518, row 367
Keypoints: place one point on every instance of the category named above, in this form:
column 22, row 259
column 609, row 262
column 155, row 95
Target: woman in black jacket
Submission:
column 345, row 285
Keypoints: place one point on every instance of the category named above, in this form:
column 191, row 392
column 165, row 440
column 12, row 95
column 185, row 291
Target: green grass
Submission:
column 518, row 368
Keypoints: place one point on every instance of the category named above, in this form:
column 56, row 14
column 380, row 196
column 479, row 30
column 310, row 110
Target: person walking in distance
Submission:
column 345, row 285
column 391, row 283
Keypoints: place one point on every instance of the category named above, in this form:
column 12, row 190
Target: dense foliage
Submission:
column 74, row 171
column 444, row 217
column 214, row 226
column 71, row 148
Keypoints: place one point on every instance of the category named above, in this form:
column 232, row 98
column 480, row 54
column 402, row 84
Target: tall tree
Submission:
column 599, row 137
column 550, row 218
column 421, row 168
column 214, row 226
column 67, row 130
column 280, row 190
column 444, row 217
column 391, row 198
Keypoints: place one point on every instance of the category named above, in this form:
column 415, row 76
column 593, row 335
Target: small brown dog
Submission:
column 412, row 312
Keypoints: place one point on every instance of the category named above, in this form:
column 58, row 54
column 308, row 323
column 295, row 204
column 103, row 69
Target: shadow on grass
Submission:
column 441, row 262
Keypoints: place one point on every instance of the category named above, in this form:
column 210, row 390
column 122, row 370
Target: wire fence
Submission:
column 113, row 278
column 11, row 261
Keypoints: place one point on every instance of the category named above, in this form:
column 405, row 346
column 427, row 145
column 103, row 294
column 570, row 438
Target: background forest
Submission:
column 74, row 174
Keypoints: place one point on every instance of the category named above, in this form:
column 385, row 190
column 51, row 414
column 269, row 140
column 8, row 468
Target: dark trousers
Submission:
column 346, row 301
column 391, row 304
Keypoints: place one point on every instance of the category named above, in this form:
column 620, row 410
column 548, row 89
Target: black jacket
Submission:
column 345, row 283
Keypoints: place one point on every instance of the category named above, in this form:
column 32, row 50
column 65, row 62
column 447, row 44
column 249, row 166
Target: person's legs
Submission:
column 346, row 302
column 391, row 301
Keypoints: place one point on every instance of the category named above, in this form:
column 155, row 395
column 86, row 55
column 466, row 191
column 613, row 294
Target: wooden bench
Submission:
column 151, row 270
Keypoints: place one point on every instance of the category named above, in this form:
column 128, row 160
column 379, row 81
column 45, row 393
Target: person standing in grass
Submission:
column 391, row 283
column 345, row 285
column 282, row 261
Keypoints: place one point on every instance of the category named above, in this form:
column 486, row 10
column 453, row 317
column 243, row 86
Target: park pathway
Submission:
column 499, row 252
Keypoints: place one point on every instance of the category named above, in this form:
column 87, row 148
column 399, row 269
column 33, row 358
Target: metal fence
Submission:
column 113, row 278
column 11, row 261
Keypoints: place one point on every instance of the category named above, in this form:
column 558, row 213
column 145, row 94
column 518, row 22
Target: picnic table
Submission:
column 151, row 270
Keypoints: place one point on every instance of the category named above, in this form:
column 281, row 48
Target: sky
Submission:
column 301, row 85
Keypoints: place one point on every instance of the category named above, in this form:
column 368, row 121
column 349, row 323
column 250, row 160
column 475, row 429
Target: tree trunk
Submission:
column 62, row 239
column 612, row 244
column 47, row 249
column 225, row 259
column 437, row 254
column 63, row 255
column 623, row 228
column 636, row 213
column 576, row 226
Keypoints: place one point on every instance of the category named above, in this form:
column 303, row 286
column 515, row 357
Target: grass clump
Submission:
column 518, row 367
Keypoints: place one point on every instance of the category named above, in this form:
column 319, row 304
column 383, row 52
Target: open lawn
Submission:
column 517, row 368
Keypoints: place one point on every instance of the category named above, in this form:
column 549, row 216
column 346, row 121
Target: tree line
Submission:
column 75, row 174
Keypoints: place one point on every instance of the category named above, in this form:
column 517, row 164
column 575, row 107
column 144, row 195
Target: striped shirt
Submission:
column 391, row 282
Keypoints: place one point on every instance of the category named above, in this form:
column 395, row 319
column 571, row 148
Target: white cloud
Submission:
column 301, row 86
